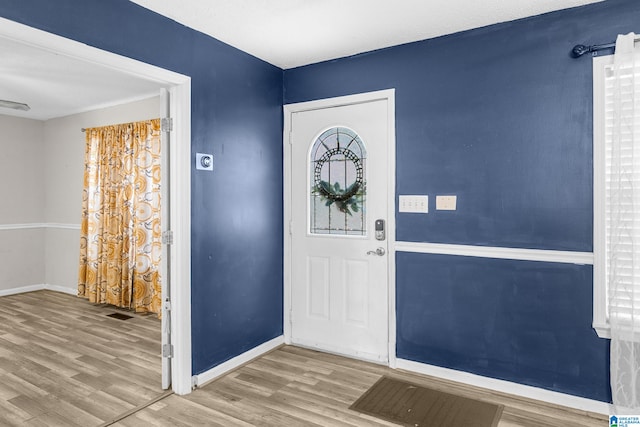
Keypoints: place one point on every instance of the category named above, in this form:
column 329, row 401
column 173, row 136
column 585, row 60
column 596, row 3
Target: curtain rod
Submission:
column 129, row 123
column 580, row 49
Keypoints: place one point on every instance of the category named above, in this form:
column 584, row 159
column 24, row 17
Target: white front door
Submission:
column 339, row 264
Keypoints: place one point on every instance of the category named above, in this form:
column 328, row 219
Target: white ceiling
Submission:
column 55, row 85
column 286, row 33
column 291, row 33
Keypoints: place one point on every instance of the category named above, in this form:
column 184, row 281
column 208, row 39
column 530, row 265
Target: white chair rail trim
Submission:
column 567, row 257
column 40, row 225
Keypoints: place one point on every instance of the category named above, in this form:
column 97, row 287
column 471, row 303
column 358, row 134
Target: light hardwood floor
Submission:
column 62, row 362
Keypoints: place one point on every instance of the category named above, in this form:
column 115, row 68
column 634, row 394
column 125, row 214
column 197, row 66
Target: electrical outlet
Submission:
column 446, row 203
column 413, row 204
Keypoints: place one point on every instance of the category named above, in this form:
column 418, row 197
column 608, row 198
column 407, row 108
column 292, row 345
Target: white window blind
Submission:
column 617, row 93
column 620, row 188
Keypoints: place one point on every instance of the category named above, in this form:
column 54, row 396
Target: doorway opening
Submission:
column 178, row 87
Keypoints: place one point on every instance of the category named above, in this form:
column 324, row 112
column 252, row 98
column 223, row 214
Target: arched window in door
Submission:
column 338, row 190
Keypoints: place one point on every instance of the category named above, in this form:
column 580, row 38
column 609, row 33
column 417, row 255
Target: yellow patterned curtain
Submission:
column 120, row 238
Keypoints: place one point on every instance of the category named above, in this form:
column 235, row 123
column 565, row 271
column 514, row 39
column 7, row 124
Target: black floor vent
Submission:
column 120, row 316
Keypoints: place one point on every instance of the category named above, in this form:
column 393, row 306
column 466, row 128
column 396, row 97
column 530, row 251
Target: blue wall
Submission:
column 237, row 209
column 502, row 117
column 514, row 320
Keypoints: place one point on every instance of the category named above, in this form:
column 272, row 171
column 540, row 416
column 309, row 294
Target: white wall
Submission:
column 21, row 171
column 21, row 203
column 41, row 172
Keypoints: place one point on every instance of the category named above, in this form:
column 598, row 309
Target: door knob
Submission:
column 379, row 252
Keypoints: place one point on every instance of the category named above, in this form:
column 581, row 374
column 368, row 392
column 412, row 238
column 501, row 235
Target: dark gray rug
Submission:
column 415, row 406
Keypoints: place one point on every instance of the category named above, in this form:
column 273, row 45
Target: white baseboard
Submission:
column 21, row 290
column 515, row 389
column 63, row 289
column 229, row 365
column 40, row 287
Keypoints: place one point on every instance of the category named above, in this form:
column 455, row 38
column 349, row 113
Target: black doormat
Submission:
column 120, row 316
column 415, row 406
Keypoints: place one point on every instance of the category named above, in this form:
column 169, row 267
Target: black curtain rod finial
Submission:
column 579, row 50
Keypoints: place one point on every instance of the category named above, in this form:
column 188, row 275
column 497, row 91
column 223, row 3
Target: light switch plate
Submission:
column 446, row 203
column 413, row 204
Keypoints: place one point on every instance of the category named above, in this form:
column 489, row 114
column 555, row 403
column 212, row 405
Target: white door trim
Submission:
column 289, row 110
column 180, row 187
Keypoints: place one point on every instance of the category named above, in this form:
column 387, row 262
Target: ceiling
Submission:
column 55, row 85
column 286, row 33
column 291, row 33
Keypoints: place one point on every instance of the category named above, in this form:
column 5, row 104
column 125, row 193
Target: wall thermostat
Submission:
column 204, row 161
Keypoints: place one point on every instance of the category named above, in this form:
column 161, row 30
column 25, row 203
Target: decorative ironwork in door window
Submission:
column 338, row 185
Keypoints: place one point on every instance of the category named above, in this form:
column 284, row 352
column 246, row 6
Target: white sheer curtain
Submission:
column 624, row 225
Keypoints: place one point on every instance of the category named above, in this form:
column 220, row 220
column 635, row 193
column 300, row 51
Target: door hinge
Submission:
column 167, row 350
column 167, row 237
column 166, row 124
column 290, row 228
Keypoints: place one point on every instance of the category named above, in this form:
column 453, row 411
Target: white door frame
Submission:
column 289, row 110
column 180, row 186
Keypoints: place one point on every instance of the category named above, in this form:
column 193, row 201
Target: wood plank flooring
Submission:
column 292, row 386
column 64, row 363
